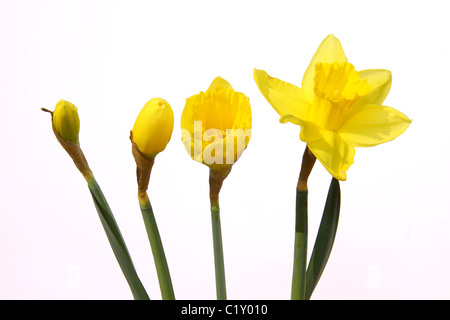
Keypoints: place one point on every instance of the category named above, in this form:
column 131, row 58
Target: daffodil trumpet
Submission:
column 151, row 133
column 65, row 125
column 216, row 129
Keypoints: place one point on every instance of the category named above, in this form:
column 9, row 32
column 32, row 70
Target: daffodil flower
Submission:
column 216, row 125
column 337, row 107
column 216, row 129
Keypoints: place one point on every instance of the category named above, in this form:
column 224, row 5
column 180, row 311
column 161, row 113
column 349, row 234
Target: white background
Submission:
column 110, row 57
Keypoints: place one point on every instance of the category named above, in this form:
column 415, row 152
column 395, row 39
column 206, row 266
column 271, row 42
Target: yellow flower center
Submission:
column 337, row 87
column 218, row 109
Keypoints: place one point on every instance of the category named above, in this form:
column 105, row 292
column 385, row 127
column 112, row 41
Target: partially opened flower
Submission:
column 216, row 125
column 216, row 128
column 337, row 107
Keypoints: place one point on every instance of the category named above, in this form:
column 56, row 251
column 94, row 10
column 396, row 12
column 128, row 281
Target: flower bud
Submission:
column 65, row 121
column 66, row 126
column 153, row 127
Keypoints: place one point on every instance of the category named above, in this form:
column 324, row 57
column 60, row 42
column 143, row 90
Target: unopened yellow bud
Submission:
column 153, row 127
column 65, row 121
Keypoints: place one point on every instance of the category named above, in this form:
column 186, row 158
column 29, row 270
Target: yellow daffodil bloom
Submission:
column 153, row 127
column 216, row 125
column 65, row 121
column 337, row 107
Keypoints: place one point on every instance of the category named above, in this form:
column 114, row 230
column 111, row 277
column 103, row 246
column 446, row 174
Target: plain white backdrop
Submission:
column 110, row 57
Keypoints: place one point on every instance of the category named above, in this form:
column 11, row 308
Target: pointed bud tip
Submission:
column 65, row 121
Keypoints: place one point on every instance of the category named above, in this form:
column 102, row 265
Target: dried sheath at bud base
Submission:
column 144, row 165
column 66, row 125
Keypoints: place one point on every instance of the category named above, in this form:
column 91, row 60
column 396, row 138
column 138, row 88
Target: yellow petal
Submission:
column 284, row 97
column 330, row 50
column 334, row 153
column 193, row 143
column 214, row 155
column 189, row 116
column 309, row 131
column 380, row 82
column 153, row 127
column 371, row 125
column 219, row 82
column 66, row 121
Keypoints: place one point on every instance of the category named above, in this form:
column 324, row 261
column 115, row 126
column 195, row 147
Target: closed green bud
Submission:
column 66, row 126
column 65, row 121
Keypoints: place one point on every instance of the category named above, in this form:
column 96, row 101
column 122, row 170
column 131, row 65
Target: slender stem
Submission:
column 116, row 240
column 216, row 178
column 300, row 247
column 159, row 256
column 301, row 228
column 218, row 253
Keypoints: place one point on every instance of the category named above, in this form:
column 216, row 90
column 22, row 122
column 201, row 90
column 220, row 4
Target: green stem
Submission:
column 116, row 240
column 159, row 256
column 300, row 247
column 218, row 253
